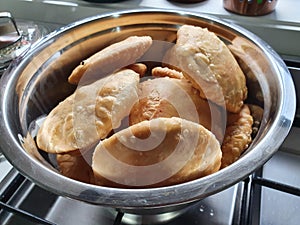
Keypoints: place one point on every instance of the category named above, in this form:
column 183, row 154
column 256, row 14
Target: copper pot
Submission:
column 250, row 7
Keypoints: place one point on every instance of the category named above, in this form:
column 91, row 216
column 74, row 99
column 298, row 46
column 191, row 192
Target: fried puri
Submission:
column 89, row 114
column 111, row 58
column 76, row 165
column 207, row 62
column 166, row 72
column 139, row 68
column 237, row 135
column 171, row 97
column 159, row 152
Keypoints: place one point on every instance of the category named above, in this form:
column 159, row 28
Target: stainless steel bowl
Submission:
column 38, row 81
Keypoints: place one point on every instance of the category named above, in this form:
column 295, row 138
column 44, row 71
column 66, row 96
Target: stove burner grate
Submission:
column 249, row 192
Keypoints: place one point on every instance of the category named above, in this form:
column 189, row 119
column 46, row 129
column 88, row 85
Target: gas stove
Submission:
column 271, row 195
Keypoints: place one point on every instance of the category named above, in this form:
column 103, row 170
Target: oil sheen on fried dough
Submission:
column 154, row 153
column 89, row 114
column 206, row 61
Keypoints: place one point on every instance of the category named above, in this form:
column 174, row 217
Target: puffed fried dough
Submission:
column 172, row 97
column 251, row 55
column 206, row 61
column 155, row 153
column 111, row 58
column 253, row 62
column 89, row 114
column 76, row 165
column 30, row 147
column 166, row 72
column 237, row 135
column 56, row 133
column 139, row 68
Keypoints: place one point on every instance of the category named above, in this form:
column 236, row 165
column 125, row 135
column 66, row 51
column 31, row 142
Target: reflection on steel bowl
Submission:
column 39, row 81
